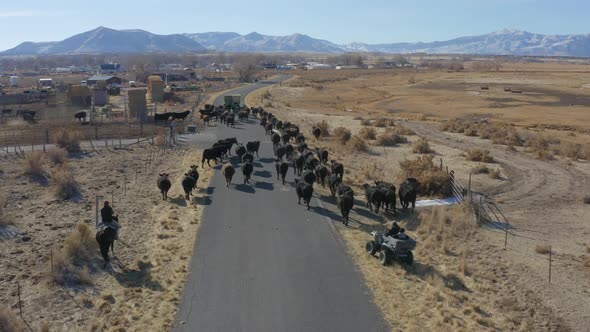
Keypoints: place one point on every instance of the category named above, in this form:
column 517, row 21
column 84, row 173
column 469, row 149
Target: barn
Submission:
column 109, row 79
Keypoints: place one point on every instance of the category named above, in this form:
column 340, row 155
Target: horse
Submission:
column 106, row 239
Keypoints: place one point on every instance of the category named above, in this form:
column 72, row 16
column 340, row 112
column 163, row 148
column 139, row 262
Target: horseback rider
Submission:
column 107, row 219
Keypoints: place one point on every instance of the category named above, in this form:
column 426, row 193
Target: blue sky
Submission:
column 381, row 21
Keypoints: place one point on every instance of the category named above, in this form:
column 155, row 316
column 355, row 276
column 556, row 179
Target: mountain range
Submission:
column 105, row 40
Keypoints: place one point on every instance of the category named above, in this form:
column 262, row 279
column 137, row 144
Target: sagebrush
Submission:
column 433, row 181
column 68, row 140
column 64, row 182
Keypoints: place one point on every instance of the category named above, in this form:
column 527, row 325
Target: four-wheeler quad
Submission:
column 389, row 248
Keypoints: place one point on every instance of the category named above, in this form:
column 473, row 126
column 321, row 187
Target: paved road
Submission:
column 264, row 263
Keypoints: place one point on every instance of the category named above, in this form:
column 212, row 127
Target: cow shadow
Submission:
column 245, row 188
column 325, row 212
column 264, row 185
column 428, row 272
column 263, row 174
column 180, row 201
column 209, row 190
column 267, row 160
column 202, row 200
column 42, row 179
column 140, row 277
column 257, row 164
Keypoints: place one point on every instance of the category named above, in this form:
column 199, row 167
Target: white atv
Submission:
column 390, row 248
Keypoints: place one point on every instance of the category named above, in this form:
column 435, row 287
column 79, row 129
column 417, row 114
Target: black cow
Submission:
column 180, row 115
column 338, row 169
column 194, row 174
column 162, row 116
column 282, row 169
column 279, row 151
column 311, row 163
column 240, row 151
column 188, row 183
column 286, row 138
column 275, row 138
column 229, row 121
column 80, row 116
column 333, row 181
column 321, row 172
column 407, row 193
column 373, row 196
column 268, row 128
column 247, row 170
column 210, row 154
column 317, row 132
column 345, row 204
column 289, row 149
column 300, row 138
column 228, row 172
column 164, row 185
column 298, row 164
column 247, row 157
column 304, row 190
column 322, row 155
column 253, row 147
column 388, row 192
column 309, row 177
column 279, row 125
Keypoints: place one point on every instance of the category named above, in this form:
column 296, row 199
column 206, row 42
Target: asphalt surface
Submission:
column 263, row 263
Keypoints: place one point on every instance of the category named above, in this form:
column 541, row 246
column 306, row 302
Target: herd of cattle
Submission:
column 310, row 165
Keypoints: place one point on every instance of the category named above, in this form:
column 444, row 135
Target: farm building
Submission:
column 156, row 88
column 109, row 79
column 110, row 68
column 47, row 82
column 137, row 103
column 79, row 95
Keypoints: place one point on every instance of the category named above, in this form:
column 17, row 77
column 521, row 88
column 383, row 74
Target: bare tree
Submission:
column 246, row 68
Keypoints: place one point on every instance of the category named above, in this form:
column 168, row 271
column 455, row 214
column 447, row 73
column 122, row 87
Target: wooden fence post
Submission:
column 441, row 164
column 20, row 307
column 505, row 235
column 469, row 189
column 125, row 184
column 51, row 260
column 550, row 259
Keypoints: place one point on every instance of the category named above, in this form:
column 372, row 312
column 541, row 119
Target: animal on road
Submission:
column 247, row 170
column 374, row 197
column 253, row 147
column 338, row 169
column 228, row 172
column 282, row 169
column 345, row 204
column 304, row 190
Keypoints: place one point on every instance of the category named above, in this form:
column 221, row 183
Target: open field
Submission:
column 540, row 188
column 142, row 288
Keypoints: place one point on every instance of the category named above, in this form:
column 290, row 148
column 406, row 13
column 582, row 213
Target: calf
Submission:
column 247, row 170
column 374, row 197
column 309, row 177
column 240, row 151
column 338, row 169
column 345, row 204
column 164, row 185
column 282, row 169
column 228, row 172
column 304, row 190
column 194, row 174
column 289, row 149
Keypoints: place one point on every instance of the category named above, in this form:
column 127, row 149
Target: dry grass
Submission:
column 35, row 163
column 543, row 249
column 495, row 174
column 573, row 151
column 480, row 169
column 9, row 321
column 71, row 263
column 343, row 135
column 324, row 127
column 4, row 220
column 160, row 139
column 433, row 181
column 57, row 156
column 446, row 226
column 421, row 146
column 357, row 144
column 64, row 182
column 365, row 122
column 480, row 155
column 68, row 140
column 401, row 130
column 381, row 123
column 390, row 138
column 368, row 133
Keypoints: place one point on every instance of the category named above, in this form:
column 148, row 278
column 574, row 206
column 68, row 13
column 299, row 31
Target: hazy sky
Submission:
column 381, row 21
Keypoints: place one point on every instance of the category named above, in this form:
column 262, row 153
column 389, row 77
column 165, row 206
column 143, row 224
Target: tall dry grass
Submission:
column 368, row 133
column 68, row 140
column 421, row 146
column 357, row 144
column 35, row 164
column 324, row 127
column 343, row 135
column 57, row 156
column 480, row 155
column 389, row 138
column 71, row 264
column 9, row 321
column 444, row 229
column 65, row 185
column 433, row 181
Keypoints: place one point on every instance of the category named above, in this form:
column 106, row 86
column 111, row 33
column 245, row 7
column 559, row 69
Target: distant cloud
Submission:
column 29, row 13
